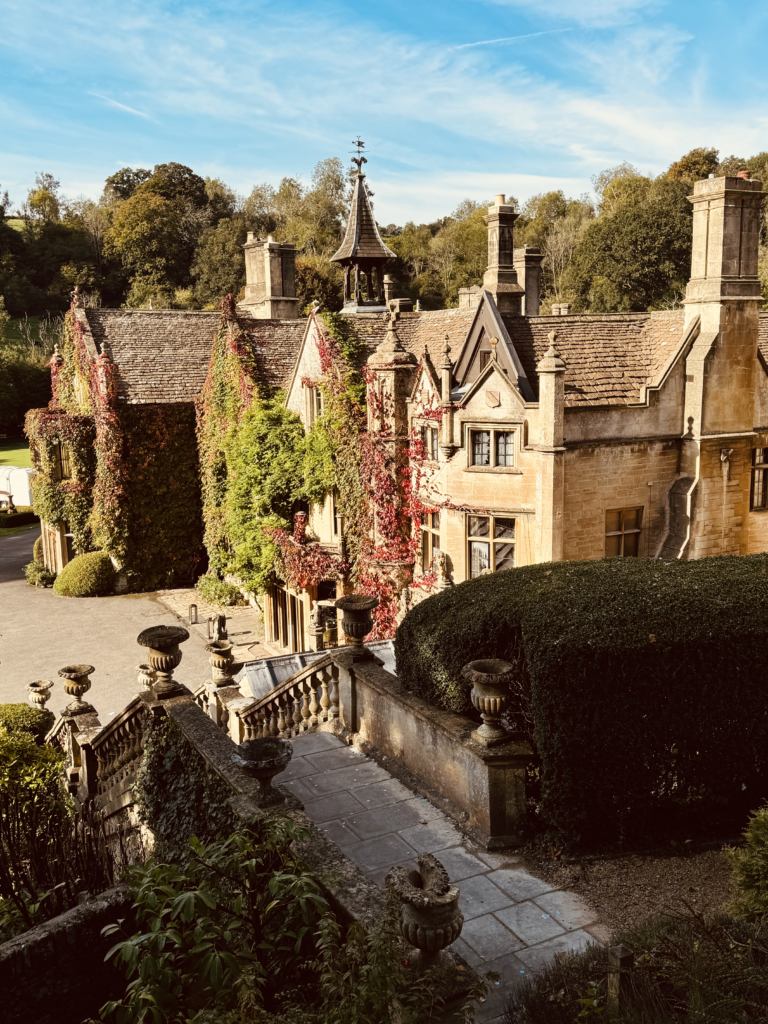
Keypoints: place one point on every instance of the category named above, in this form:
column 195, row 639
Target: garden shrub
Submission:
column 216, row 591
column 646, row 684
column 687, row 968
column 22, row 515
column 242, row 933
column 750, row 868
column 89, row 575
column 37, row 551
column 38, row 575
column 23, row 718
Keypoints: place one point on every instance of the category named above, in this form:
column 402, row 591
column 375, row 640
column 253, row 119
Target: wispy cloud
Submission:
column 510, row 39
column 119, row 106
column 584, row 12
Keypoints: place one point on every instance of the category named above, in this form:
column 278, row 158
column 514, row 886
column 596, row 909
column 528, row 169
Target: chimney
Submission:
column 389, row 288
column 270, row 279
column 527, row 263
column 501, row 277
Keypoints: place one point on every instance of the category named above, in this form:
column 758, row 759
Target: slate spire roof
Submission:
column 362, row 239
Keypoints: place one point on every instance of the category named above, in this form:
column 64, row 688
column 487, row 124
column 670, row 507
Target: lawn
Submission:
column 14, row 453
column 13, row 335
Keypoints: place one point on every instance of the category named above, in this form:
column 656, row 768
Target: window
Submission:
column 433, row 444
column 622, row 533
column 505, row 448
column 314, row 404
column 759, row 497
column 430, row 539
column 69, row 539
column 485, row 358
column 63, row 466
column 481, row 447
column 491, row 542
column 335, row 511
column 430, row 438
column 492, row 449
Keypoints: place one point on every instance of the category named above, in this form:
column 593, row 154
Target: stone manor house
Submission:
column 547, row 437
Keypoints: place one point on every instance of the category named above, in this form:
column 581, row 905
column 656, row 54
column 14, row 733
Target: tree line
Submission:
column 172, row 238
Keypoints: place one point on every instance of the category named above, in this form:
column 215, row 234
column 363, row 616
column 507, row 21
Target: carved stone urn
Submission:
column 222, row 658
column 163, row 656
column 264, row 759
column 146, row 675
column 40, row 692
column 430, row 918
column 490, row 679
column 357, row 618
column 76, row 683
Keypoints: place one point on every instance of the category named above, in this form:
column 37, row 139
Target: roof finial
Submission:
column 359, row 159
column 493, row 342
column 552, row 338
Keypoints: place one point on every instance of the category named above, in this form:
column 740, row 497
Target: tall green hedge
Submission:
column 647, row 683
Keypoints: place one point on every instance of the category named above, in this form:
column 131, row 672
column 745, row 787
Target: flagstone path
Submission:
column 514, row 923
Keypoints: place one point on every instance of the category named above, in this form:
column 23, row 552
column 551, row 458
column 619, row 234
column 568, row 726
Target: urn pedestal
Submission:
column 40, row 692
column 430, row 918
column 76, row 683
column 264, row 759
column 221, row 657
column 490, row 680
column 357, row 618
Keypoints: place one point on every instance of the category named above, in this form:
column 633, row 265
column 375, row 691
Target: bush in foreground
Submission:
column 646, row 683
column 38, row 576
column 216, row 591
column 750, row 868
column 23, row 718
column 89, row 575
column 37, row 551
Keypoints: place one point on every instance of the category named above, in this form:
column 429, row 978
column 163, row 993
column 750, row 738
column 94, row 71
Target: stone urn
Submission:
column 490, row 679
column 357, row 618
column 430, row 918
column 40, row 692
column 76, row 683
column 221, row 657
column 163, row 656
column 264, row 759
column 146, row 676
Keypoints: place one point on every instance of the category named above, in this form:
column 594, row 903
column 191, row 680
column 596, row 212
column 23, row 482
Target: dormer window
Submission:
column 485, row 358
column 314, row 404
column 491, row 449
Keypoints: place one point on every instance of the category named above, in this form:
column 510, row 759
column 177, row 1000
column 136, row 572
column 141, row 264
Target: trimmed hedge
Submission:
column 217, row 591
column 88, row 575
column 23, row 718
column 37, row 551
column 647, row 684
column 22, row 516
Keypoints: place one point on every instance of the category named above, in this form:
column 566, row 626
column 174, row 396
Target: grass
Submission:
column 15, row 453
column 16, row 223
column 13, row 335
column 13, row 530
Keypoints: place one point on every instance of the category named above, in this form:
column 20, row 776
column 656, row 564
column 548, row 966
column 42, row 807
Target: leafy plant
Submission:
column 89, row 575
column 212, row 589
column 750, row 868
column 38, row 575
column 22, row 718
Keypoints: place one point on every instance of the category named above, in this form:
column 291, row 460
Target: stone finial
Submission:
column 493, row 342
column 57, row 357
column 163, row 656
column 315, row 307
column 76, row 683
column 76, row 298
column 551, row 361
column 430, row 918
column 391, row 350
column 40, row 692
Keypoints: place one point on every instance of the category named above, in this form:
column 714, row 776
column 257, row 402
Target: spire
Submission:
column 362, row 254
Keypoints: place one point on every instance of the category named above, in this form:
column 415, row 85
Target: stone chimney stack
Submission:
column 270, row 276
column 527, row 263
column 501, row 277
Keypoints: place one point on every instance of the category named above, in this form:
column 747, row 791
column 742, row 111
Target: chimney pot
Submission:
column 744, row 175
column 501, row 199
column 711, row 175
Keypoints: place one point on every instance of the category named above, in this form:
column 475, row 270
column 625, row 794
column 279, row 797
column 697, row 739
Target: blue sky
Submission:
column 455, row 99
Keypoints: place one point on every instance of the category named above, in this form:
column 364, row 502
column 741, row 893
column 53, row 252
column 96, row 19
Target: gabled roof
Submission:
column 162, row 355
column 608, row 357
column 361, row 239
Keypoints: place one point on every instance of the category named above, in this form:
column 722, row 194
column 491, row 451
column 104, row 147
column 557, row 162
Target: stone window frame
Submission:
column 758, row 487
column 314, row 404
column 430, row 538
column 63, row 462
column 634, row 532
column 493, row 430
column 493, row 540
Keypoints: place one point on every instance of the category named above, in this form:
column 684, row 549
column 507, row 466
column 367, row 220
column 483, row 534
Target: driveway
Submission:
column 40, row 633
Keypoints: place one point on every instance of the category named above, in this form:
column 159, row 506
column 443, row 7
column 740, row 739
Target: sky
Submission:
column 454, row 99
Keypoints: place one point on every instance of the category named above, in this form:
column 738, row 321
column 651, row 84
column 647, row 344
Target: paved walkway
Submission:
column 41, row 632
column 514, row 923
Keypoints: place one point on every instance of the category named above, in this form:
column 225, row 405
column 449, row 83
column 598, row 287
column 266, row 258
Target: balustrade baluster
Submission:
column 314, row 707
column 305, row 712
column 282, row 726
column 333, row 683
column 274, row 719
column 325, row 700
column 297, row 712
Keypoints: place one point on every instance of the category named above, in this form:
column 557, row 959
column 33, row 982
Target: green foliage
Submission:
column 219, row 267
column 750, row 868
column 88, row 575
column 686, row 969
column 242, row 933
column 24, row 377
column 178, row 795
column 47, row 853
column 38, row 575
column 37, row 551
column 216, row 591
column 697, row 164
column 146, row 237
column 23, row 516
column 644, row 683
column 23, row 718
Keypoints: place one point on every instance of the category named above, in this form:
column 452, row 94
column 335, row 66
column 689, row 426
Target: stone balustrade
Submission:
column 117, row 748
column 303, row 703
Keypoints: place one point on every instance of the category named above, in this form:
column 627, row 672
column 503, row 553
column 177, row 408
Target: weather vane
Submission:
column 359, row 159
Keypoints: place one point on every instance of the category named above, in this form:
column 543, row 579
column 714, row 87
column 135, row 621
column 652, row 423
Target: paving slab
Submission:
column 388, row 792
column 392, row 818
column 337, row 805
column 518, row 884
column 382, row 852
column 437, row 835
column 529, row 922
column 340, row 833
column 339, row 757
column 536, row 957
column 568, row 909
column 488, row 937
column 512, row 971
column 314, row 742
column 459, row 863
column 353, row 777
column 480, row 896
column 298, row 768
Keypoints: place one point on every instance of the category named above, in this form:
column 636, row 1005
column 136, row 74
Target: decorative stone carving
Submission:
column 76, row 683
column 490, row 695
column 146, row 676
column 357, row 620
column 163, row 655
column 264, row 759
column 40, row 692
column 430, row 918
column 221, row 658
column 440, row 564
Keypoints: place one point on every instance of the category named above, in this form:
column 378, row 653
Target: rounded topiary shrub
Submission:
column 23, row 718
column 216, row 591
column 646, row 683
column 37, row 551
column 89, row 575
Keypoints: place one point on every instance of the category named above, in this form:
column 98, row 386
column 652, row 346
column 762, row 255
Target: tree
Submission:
column 178, row 182
column 222, row 200
column 697, row 164
column 43, row 199
column 219, row 266
column 123, row 183
column 145, row 237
